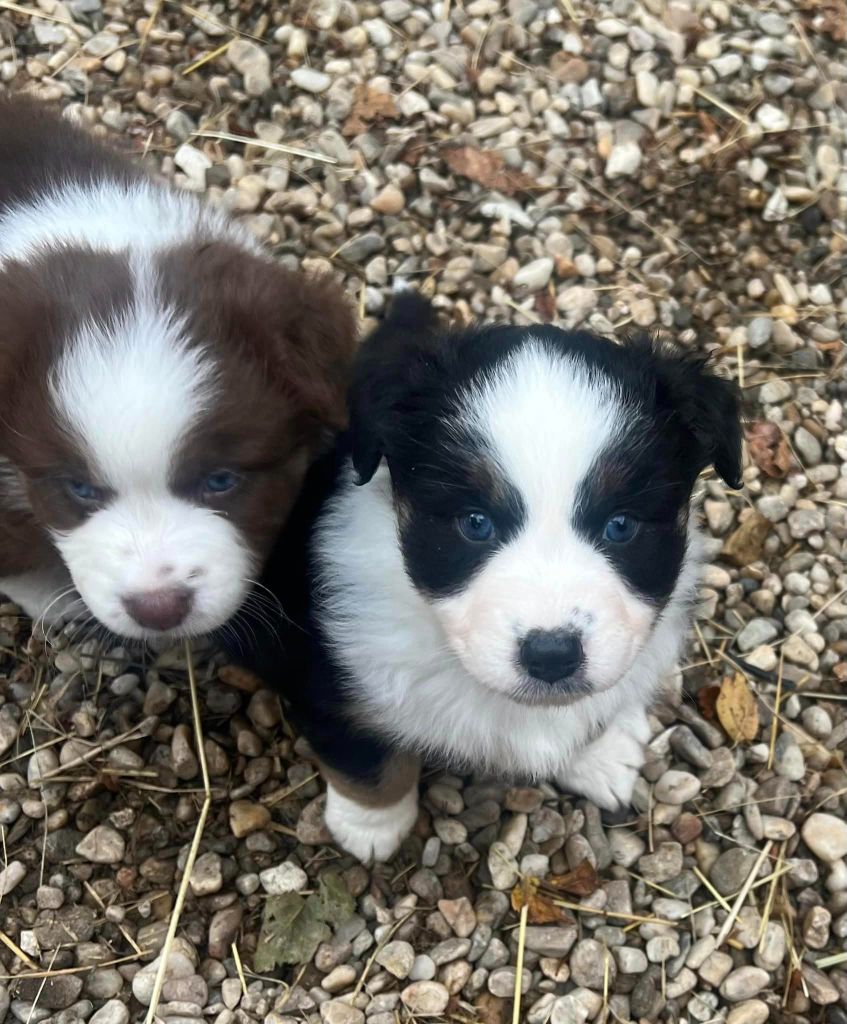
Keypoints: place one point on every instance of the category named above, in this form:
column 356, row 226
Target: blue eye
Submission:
column 85, row 492
column 476, row 526
column 220, row 482
column 620, row 529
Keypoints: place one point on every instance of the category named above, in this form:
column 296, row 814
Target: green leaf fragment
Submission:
column 292, row 929
column 337, row 904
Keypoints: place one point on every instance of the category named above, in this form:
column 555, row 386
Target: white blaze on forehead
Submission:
column 546, row 417
column 112, row 216
column 131, row 389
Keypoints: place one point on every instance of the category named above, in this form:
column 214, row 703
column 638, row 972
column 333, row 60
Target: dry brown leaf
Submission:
column 745, row 544
column 769, row 448
column 582, row 881
column 542, row 910
column 545, row 305
column 736, row 708
column 487, row 168
column 368, row 105
column 828, row 17
column 490, row 1009
column 707, row 698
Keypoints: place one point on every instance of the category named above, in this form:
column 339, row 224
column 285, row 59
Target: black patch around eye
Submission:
column 431, row 495
column 651, row 480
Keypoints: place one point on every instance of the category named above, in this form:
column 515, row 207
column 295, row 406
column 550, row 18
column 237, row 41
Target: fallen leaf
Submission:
column 369, row 104
column 337, row 905
column 487, row 168
column 490, row 1009
column 736, row 708
column 707, row 697
column 769, row 448
column 292, row 929
column 745, row 544
column 582, row 881
column 542, row 910
column 545, row 306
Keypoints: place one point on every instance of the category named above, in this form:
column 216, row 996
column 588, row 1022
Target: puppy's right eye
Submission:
column 83, row 492
column 476, row 527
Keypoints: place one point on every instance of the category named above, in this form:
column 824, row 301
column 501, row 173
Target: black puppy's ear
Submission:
column 708, row 406
column 382, row 371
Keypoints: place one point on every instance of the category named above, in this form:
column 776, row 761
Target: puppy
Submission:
column 163, row 388
column 501, row 559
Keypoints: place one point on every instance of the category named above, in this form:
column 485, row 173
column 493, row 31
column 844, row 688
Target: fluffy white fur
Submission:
column 369, row 833
column 109, row 216
column 440, row 676
column 545, row 419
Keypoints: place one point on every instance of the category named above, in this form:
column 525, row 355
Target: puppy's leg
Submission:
column 371, row 817
column 606, row 770
column 46, row 595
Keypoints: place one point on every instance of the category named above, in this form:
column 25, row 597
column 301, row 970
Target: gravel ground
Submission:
column 670, row 165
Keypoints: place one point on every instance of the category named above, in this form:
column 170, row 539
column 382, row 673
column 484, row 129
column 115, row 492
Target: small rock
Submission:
column 112, row 1012
column 336, row 1011
column 246, row 817
column 535, row 275
column 756, row 633
column 502, row 866
column 730, row 870
column 744, row 983
column 623, row 161
column 310, row 80
column 253, row 63
column 425, row 997
column 550, row 940
column 11, row 876
column 207, row 876
column 459, row 914
column 102, row 845
column 589, row 965
column 397, row 958
column 753, row 1011
column 675, row 787
column 283, row 878
column 826, row 836
column 772, row 119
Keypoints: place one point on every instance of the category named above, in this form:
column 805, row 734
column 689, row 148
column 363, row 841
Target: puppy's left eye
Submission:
column 476, row 526
column 220, row 482
column 620, row 529
column 84, row 492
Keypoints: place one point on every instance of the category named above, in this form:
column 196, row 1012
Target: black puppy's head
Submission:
column 542, row 480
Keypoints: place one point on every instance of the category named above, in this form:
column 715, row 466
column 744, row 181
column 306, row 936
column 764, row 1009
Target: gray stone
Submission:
column 397, row 958
column 744, row 983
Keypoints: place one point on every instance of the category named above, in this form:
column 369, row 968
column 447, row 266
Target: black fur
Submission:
column 409, row 377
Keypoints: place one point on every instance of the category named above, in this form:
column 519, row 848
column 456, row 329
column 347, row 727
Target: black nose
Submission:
column 551, row 655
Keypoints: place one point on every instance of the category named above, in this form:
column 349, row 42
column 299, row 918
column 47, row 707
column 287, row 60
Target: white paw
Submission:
column 370, row 833
column 607, row 770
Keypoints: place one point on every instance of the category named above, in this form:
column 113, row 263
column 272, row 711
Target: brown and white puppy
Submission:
column 163, row 388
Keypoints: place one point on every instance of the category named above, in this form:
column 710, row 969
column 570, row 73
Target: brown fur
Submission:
column 282, row 342
column 397, row 777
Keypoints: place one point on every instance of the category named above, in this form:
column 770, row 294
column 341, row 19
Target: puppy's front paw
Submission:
column 607, row 770
column 370, row 833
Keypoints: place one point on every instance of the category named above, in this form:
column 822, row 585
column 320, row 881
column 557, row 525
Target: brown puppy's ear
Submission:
column 299, row 330
column 315, row 336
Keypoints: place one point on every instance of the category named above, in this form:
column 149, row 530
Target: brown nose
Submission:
column 159, row 609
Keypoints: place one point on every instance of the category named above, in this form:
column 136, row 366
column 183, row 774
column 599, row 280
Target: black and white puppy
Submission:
column 501, row 558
